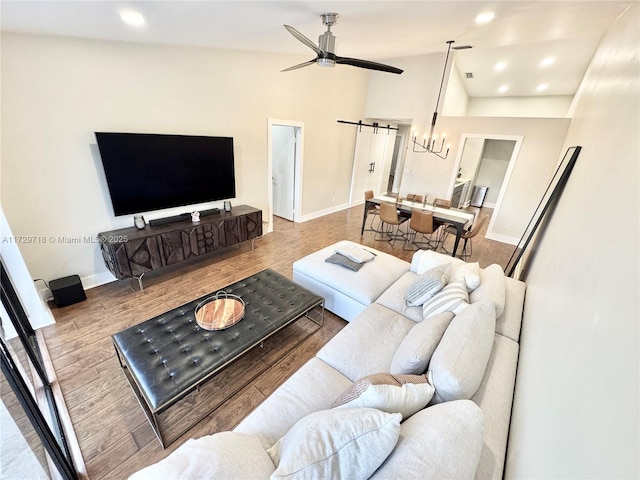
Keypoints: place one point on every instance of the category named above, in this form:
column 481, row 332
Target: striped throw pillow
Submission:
column 453, row 298
column 427, row 285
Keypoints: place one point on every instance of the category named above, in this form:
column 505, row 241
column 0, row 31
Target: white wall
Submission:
column 456, row 101
column 540, row 151
column 495, row 161
column 577, row 392
column 37, row 311
column 538, row 106
column 57, row 91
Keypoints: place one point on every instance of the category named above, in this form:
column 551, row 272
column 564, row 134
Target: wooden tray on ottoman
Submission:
column 221, row 311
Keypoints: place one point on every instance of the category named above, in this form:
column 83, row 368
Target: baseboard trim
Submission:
column 322, row 213
column 499, row 237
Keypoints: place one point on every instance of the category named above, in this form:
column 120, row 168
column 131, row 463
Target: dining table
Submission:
column 451, row 216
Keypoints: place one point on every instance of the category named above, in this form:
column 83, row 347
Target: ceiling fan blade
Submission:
column 300, row 65
column 355, row 62
column 304, row 40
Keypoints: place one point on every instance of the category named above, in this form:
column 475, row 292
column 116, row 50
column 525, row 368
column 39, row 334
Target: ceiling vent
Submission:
column 469, row 75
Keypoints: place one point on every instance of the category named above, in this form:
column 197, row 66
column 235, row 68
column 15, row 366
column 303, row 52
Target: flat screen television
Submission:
column 148, row 172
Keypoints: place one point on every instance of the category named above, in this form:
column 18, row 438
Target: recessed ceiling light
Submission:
column 500, row 66
column 131, row 17
column 547, row 61
column 485, row 17
column 542, row 87
column 503, row 88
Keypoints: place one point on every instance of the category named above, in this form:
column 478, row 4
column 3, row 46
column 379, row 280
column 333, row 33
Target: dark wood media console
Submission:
column 132, row 252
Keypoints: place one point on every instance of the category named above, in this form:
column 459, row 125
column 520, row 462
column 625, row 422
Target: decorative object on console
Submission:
column 227, row 206
column 428, row 145
column 195, row 217
column 138, row 221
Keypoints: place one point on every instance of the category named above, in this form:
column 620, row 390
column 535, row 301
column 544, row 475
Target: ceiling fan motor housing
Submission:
column 327, row 43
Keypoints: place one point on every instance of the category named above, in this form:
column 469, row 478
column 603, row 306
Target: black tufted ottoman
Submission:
column 172, row 363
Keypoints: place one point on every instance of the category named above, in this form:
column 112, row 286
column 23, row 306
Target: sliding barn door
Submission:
column 371, row 162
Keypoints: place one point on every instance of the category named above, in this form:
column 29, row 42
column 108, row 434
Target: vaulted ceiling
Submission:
column 521, row 35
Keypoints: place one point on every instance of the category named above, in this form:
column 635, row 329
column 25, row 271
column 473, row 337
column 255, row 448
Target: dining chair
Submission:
column 410, row 197
column 442, row 203
column 421, row 222
column 389, row 219
column 418, row 198
column 373, row 210
column 467, row 236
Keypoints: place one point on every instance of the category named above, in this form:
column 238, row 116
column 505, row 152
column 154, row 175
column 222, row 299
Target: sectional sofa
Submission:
column 419, row 384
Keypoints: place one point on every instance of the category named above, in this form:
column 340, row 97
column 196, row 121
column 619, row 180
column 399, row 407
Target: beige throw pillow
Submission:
column 404, row 394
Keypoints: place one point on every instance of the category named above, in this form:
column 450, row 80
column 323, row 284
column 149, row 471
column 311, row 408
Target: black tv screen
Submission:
column 147, row 172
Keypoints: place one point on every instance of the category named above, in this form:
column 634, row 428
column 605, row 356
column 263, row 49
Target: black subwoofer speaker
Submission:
column 67, row 290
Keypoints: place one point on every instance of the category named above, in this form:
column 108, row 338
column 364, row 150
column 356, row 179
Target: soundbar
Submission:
column 175, row 218
column 211, row 211
column 180, row 218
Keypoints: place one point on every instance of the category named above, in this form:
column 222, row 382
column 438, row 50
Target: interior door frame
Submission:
column 507, row 176
column 299, row 161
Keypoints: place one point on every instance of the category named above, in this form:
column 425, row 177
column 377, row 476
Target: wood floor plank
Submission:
column 115, row 437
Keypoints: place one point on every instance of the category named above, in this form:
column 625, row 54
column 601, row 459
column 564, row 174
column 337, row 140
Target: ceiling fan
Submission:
column 325, row 50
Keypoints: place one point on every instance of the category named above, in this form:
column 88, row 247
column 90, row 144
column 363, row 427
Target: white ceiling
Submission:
column 522, row 33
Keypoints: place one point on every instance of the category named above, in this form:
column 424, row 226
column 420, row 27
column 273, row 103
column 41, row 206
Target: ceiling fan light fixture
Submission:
column 326, row 62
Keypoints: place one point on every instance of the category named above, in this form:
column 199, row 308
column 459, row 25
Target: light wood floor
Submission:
column 114, row 435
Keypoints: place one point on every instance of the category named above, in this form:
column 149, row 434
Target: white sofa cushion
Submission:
column 491, row 288
column 223, row 455
column 339, row 443
column 393, row 297
column 442, row 441
column 459, row 361
column 470, row 272
column 417, row 347
column 404, row 394
column 367, row 345
column 453, row 298
column 313, row 387
column 424, row 260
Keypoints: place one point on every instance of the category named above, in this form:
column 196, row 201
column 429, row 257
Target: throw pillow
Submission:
column 469, row 271
column 492, row 287
column 452, row 298
column 458, row 363
column 424, row 260
column 356, row 253
column 343, row 261
column 428, row 285
column 404, row 394
column 223, row 455
column 442, row 441
column 415, row 350
column 339, row 443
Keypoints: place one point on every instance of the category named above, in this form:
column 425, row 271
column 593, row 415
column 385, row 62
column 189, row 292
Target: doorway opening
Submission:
column 484, row 167
column 285, row 147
